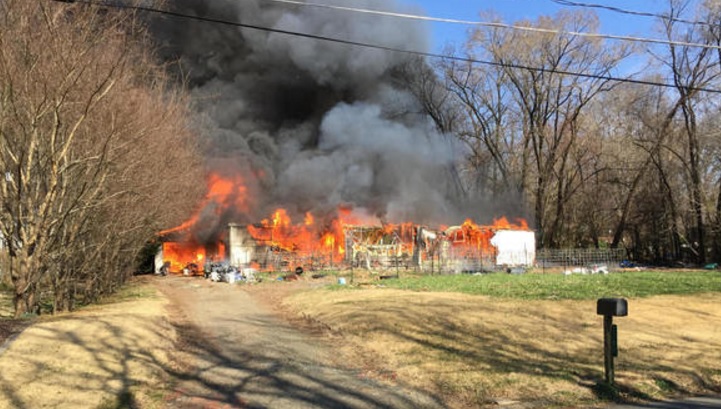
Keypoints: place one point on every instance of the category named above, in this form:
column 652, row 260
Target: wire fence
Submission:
column 579, row 260
column 448, row 261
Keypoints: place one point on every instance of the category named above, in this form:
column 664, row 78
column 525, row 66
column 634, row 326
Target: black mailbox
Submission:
column 609, row 308
column 614, row 307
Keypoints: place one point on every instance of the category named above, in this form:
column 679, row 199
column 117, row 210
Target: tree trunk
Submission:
column 717, row 225
column 23, row 297
column 24, row 281
column 540, row 210
column 19, row 303
column 696, row 194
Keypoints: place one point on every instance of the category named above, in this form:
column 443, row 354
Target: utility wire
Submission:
column 500, row 25
column 632, row 12
column 385, row 48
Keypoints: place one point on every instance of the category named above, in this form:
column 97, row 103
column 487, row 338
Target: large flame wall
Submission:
column 343, row 236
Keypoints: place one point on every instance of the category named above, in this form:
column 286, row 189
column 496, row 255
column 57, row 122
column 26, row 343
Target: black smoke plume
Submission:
column 312, row 125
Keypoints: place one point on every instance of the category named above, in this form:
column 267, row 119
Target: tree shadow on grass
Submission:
column 51, row 366
column 203, row 374
column 248, row 358
column 510, row 351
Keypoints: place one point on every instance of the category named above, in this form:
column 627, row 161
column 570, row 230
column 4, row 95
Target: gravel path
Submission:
column 237, row 353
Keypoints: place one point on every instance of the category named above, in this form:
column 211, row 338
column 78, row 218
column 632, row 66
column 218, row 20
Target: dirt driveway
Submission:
column 237, row 353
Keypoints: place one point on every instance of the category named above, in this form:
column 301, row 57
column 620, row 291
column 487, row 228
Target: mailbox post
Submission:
column 609, row 308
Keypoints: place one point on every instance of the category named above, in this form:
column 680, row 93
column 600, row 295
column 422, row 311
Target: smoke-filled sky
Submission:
column 313, row 125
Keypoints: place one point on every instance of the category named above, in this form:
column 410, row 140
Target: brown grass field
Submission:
column 474, row 351
column 105, row 356
column 477, row 350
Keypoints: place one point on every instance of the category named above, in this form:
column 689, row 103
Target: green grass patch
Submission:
column 5, row 287
column 573, row 287
column 128, row 292
column 134, row 291
column 665, row 385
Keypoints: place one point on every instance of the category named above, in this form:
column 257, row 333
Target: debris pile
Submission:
column 224, row 272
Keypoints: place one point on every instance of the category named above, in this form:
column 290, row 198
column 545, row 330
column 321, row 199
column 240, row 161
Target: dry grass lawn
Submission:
column 478, row 350
column 107, row 356
column 472, row 350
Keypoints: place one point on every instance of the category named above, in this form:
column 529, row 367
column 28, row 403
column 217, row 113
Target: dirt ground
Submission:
column 240, row 354
column 194, row 344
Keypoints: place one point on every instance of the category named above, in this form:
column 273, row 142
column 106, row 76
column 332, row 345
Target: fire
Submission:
column 180, row 254
column 503, row 224
column 182, row 227
column 223, row 193
column 472, row 236
column 280, row 219
column 323, row 236
column 310, row 237
column 328, row 240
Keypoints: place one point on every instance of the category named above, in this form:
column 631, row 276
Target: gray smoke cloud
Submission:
column 313, row 124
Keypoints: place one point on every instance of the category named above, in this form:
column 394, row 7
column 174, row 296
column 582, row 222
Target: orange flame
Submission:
column 311, row 237
column 472, row 236
column 223, row 193
column 322, row 235
column 179, row 254
column 503, row 224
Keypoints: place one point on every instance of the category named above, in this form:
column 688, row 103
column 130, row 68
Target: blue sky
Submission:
column 513, row 10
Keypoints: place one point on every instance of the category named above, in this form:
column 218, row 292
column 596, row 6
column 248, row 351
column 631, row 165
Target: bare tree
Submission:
column 87, row 129
column 423, row 80
column 483, row 95
column 636, row 165
column 713, row 32
column 638, row 187
column 530, row 91
column 692, row 68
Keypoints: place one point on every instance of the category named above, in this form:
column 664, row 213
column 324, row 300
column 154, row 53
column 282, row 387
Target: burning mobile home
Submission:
column 465, row 248
column 277, row 244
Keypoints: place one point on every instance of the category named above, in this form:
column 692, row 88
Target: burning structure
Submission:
column 276, row 244
column 331, row 133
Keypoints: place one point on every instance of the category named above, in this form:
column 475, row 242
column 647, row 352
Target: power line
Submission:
column 385, row 48
column 500, row 25
column 632, row 12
